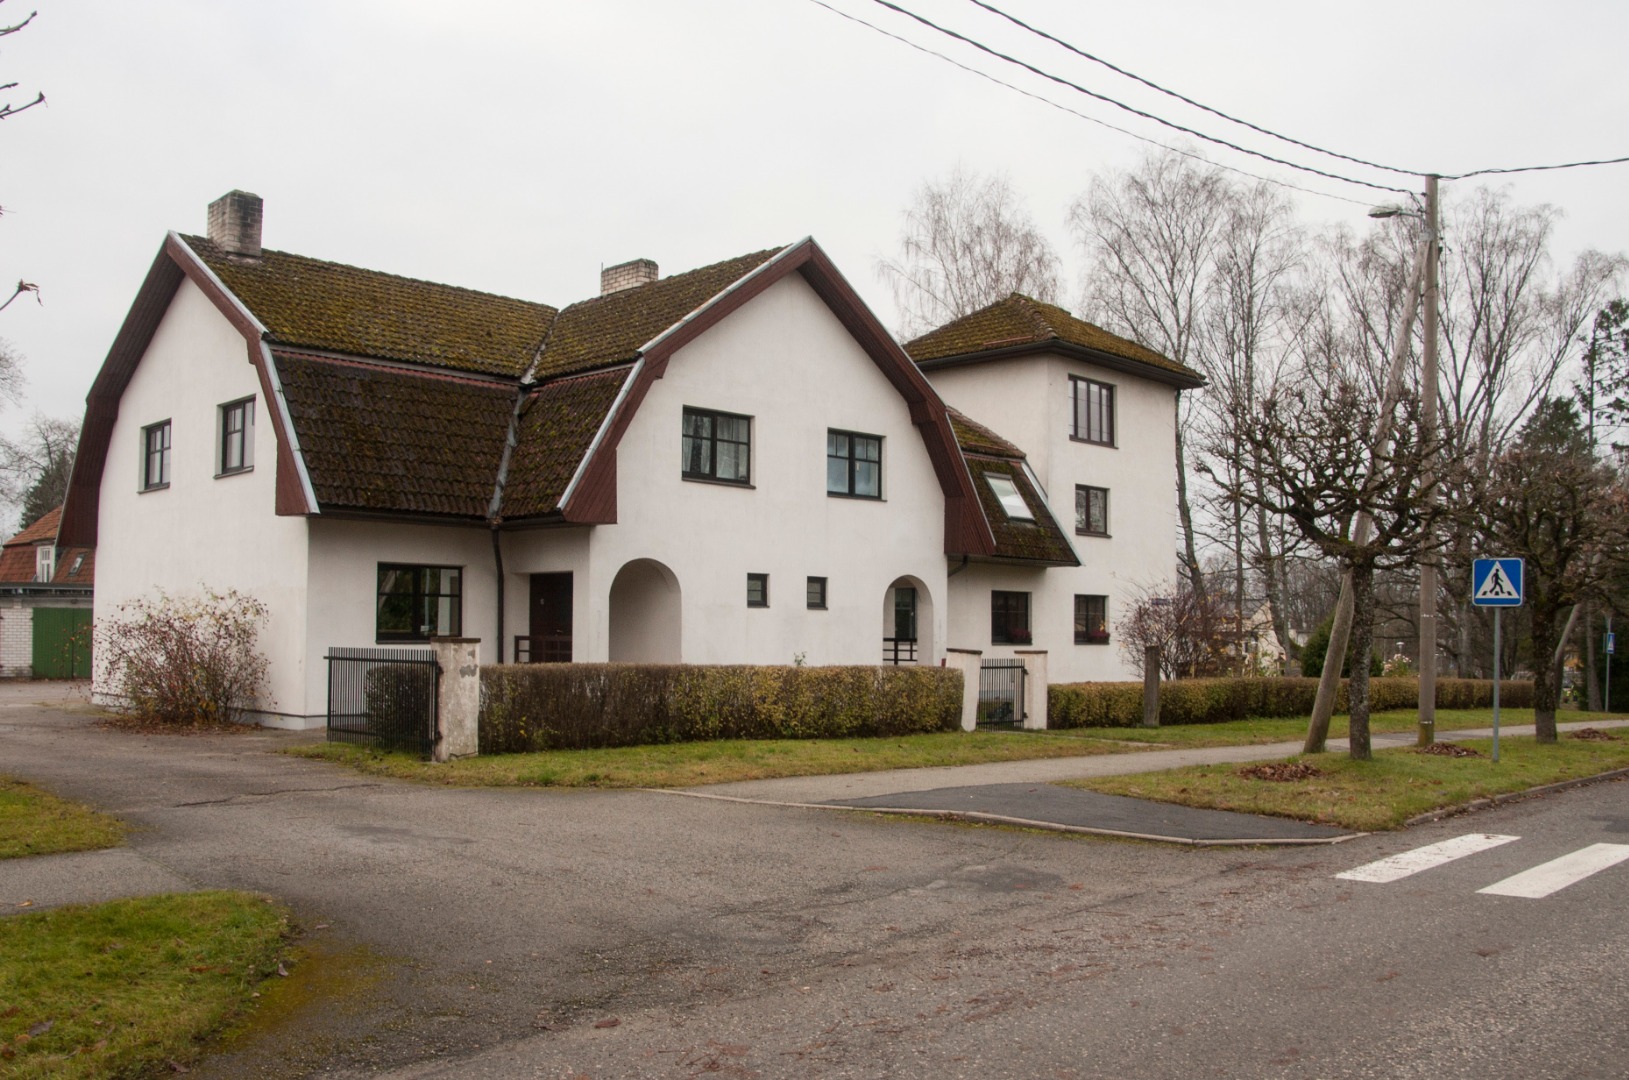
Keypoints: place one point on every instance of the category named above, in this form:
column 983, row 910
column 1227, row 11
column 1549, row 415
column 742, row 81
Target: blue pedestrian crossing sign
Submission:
column 1496, row 583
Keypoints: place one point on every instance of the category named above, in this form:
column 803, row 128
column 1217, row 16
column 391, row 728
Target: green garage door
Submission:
column 62, row 638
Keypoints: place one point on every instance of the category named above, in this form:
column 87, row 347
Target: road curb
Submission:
column 1027, row 823
column 1511, row 796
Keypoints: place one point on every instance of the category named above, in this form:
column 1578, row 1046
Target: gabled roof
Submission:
column 74, row 565
column 45, row 529
column 1020, row 324
column 313, row 304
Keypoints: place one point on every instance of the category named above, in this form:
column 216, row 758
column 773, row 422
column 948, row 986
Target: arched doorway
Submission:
column 644, row 609
column 907, row 623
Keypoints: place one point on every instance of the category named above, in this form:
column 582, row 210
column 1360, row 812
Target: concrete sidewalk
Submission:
column 1027, row 792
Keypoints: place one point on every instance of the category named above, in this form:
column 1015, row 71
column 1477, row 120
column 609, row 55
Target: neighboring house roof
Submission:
column 18, row 561
column 394, row 397
column 326, row 305
column 1020, row 325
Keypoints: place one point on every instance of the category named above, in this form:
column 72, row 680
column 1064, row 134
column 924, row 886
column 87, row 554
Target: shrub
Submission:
column 1215, row 701
column 575, row 706
column 184, row 660
column 1317, row 647
column 397, row 699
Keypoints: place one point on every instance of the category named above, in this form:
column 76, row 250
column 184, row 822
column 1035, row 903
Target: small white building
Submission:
column 733, row 464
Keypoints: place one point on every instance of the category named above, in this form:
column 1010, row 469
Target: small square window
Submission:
column 1091, row 620
column 1092, row 404
column 155, row 462
column 817, row 593
column 237, row 442
column 1012, row 501
column 416, row 603
column 1009, row 618
column 853, row 464
column 757, row 590
column 1091, row 511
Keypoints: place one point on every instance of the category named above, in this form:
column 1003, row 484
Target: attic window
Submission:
column 1011, row 501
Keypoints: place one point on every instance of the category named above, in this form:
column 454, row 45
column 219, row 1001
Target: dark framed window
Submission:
column 853, row 464
column 1093, row 404
column 717, row 446
column 237, row 437
column 1009, row 618
column 155, row 461
column 817, row 593
column 757, row 590
column 417, row 603
column 1091, row 510
column 1091, row 620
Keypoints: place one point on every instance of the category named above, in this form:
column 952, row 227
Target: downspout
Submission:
column 494, row 510
column 958, row 569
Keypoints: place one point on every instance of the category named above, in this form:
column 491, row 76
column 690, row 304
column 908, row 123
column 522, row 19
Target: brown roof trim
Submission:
column 592, row 498
column 1073, row 352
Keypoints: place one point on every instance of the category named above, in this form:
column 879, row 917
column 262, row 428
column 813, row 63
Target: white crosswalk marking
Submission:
column 1557, row 874
column 1424, row 858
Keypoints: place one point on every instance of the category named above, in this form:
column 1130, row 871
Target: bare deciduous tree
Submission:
column 35, row 465
column 968, row 242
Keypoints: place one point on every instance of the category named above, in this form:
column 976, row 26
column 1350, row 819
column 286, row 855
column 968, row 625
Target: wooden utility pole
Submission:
column 1428, row 438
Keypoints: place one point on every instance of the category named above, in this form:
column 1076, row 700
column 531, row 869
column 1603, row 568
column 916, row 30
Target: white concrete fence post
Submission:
column 458, row 701
column 967, row 661
column 1035, row 688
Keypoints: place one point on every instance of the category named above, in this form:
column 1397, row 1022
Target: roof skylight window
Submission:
column 1011, row 501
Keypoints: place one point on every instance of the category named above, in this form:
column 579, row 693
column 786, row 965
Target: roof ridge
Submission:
column 1031, row 308
column 695, row 270
column 193, row 239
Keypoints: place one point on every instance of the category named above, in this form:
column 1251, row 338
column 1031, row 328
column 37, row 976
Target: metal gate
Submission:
column 1001, row 693
column 384, row 698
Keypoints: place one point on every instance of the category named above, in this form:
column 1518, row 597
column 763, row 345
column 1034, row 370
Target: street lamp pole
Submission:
column 1428, row 437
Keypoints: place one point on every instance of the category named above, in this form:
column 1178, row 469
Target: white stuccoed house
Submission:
column 736, row 464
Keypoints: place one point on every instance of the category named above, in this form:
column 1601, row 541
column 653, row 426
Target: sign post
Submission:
column 1611, row 642
column 1496, row 583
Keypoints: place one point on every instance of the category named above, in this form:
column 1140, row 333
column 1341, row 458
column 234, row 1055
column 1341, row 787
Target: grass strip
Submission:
column 691, row 763
column 1379, row 794
column 1294, row 728
column 127, row 987
column 35, row 822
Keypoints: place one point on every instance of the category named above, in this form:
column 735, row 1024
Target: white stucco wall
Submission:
column 202, row 531
column 1027, row 402
column 784, row 360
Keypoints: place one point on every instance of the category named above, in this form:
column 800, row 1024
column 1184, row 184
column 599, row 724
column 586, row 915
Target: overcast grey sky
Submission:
column 515, row 147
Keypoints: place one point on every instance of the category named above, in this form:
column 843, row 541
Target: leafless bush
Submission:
column 184, row 660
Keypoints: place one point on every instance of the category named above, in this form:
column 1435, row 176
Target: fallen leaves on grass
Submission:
column 1281, row 771
column 135, row 725
column 1590, row 734
column 1447, row 749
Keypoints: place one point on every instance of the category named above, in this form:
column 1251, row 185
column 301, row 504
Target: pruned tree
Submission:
column 968, row 241
column 1151, row 237
column 7, row 107
column 1318, row 453
column 1551, row 502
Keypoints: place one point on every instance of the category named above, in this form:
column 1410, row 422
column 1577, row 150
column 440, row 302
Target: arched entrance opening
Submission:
column 644, row 610
column 907, row 623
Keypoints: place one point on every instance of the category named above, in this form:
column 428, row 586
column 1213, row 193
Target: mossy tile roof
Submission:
column 314, row 304
column 1041, row 541
column 556, row 430
column 974, row 438
column 398, row 442
column 1022, row 320
column 611, row 329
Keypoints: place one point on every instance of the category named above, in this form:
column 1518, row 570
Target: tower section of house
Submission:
column 731, row 464
column 1095, row 416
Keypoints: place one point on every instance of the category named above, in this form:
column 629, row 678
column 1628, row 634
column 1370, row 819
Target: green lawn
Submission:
column 1379, row 794
column 126, row 988
column 35, row 822
column 1294, row 728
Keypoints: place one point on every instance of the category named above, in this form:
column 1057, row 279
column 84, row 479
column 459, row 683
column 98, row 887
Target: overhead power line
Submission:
column 992, row 9
column 1083, row 116
column 1128, row 108
column 1537, row 168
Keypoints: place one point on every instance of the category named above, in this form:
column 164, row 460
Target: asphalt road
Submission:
column 617, row 934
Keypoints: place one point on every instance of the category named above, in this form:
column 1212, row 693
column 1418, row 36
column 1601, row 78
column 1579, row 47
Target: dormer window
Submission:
column 1006, row 492
column 45, row 562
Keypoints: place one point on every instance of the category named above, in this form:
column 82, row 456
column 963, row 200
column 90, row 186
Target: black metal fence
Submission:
column 1001, row 693
column 543, row 649
column 384, row 698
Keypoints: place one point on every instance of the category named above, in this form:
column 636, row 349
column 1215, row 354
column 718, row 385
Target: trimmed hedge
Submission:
column 1215, row 701
column 527, row 707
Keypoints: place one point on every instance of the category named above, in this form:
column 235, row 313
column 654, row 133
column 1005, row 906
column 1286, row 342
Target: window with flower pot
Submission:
column 1009, row 618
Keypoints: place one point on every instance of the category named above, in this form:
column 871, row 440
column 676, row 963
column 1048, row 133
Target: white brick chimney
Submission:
column 626, row 276
column 234, row 223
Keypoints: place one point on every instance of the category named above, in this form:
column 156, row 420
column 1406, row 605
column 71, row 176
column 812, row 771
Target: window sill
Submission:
column 234, row 472
column 856, row 498
column 1026, row 641
column 1093, row 442
column 153, row 487
column 1098, row 535
column 718, row 483
column 1094, row 640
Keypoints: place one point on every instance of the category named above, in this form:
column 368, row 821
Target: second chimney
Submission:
column 626, row 276
column 234, row 223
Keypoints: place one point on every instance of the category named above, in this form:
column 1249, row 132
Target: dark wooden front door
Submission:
column 550, row 619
